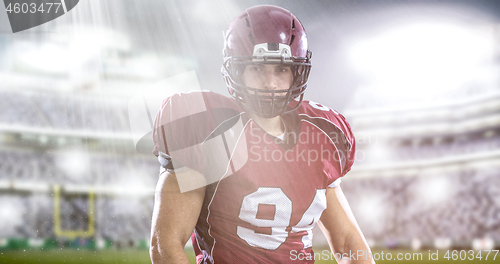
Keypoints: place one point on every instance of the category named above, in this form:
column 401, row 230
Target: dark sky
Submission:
column 331, row 25
column 192, row 31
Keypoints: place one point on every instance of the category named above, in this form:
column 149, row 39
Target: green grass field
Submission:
column 67, row 256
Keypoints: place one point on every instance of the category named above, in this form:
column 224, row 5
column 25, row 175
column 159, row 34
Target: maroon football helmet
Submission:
column 266, row 34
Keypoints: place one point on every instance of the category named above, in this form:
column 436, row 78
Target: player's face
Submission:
column 268, row 76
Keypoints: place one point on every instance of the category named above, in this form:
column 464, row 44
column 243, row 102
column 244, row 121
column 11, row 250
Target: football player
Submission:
column 247, row 177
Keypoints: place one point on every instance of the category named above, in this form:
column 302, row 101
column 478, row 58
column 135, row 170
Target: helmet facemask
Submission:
column 263, row 102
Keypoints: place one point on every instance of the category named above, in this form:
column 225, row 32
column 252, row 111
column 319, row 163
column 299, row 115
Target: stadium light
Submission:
column 132, row 183
column 86, row 43
column 424, row 58
column 71, row 48
column 438, row 189
column 372, row 208
column 48, row 57
column 11, row 213
column 73, row 162
column 378, row 152
column 435, row 190
column 147, row 66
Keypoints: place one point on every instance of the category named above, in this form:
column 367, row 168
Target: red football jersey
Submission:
column 264, row 194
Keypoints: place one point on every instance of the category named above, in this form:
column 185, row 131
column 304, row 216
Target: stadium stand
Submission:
column 470, row 208
column 460, row 204
column 63, row 111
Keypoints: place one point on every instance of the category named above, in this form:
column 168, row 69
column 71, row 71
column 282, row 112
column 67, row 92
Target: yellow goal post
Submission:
column 59, row 231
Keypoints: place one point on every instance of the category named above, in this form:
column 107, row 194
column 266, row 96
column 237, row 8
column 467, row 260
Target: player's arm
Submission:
column 174, row 217
column 341, row 229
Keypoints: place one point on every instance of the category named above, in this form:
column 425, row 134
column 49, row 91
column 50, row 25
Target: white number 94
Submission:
column 281, row 220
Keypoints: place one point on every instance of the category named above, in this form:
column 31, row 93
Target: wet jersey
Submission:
column 264, row 194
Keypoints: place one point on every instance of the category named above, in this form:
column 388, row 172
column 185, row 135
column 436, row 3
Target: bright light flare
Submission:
column 11, row 213
column 424, row 58
column 48, row 57
column 377, row 152
column 87, row 42
column 371, row 207
column 74, row 163
column 147, row 66
column 132, row 183
column 434, row 190
column 71, row 48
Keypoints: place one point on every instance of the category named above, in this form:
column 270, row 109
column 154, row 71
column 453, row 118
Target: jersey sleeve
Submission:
column 179, row 128
column 339, row 131
column 182, row 125
column 350, row 144
column 343, row 138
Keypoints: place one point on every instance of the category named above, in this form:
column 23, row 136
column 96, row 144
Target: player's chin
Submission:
column 270, row 107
